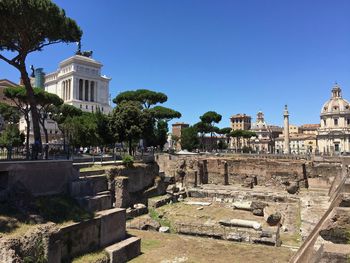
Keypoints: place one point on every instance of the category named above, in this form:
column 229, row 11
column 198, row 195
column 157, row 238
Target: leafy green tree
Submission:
column 248, row 135
column 210, row 118
column 11, row 136
column 28, row 26
column 202, row 128
column 239, row 134
column 82, row 130
column 189, row 138
column 19, row 97
column 154, row 117
column 128, row 122
column 225, row 131
column 162, row 116
column 161, row 133
column 46, row 104
column 104, row 129
column 222, row 145
column 146, row 97
column 9, row 113
column 62, row 114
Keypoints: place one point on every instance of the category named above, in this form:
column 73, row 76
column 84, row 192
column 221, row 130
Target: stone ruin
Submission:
column 50, row 242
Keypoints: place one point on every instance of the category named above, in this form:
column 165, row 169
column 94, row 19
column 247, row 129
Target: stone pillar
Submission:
column 225, row 172
column 122, row 197
column 286, row 149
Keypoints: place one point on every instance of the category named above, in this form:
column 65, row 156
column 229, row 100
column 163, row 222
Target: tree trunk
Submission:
column 27, row 136
column 33, row 106
column 47, row 144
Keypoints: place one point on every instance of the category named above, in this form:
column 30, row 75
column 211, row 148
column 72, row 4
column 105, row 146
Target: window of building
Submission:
column 336, row 147
column 86, row 106
column 324, row 122
column 335, row 122
column 102, row 109
column 81, row 106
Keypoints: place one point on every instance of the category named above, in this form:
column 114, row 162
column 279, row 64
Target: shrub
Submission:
column 128, row 160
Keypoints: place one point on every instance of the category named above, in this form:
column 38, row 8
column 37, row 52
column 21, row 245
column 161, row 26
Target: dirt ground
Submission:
column 172, row 248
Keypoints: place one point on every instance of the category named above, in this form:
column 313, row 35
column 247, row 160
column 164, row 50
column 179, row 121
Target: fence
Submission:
column 50, row 152
column 61, row 151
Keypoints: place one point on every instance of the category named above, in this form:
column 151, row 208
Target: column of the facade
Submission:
column 96, row 94
column 70, row 89
column 62, row 87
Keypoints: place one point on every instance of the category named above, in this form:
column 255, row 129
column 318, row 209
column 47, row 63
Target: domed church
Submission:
column 334, row 134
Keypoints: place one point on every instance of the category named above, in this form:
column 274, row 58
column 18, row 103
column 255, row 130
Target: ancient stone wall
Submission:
column 38, row 177
column 225, row 170
column 196, row 170
column 135, row 184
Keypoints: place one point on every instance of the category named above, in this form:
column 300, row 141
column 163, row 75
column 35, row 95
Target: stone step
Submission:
column 125, row 250
column 89, row 186
column 99, row 202
column 90, row 173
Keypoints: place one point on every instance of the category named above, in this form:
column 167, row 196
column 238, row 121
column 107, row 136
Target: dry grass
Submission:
column 181, row 212
column 91, row 257
column 157, row 247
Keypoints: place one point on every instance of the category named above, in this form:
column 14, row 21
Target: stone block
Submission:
column 125, row 250
column 112, row 226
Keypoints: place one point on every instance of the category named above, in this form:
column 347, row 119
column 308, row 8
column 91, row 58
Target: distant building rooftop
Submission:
column 240, row 115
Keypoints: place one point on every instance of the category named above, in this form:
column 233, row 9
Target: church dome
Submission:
column 336, row 104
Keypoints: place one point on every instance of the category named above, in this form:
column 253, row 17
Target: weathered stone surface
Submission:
column 258, row 208
column 337, row 228
column 293, row 188
column 144, row 223
column 124, row 250
column 213, row 170
column 234, row 237
column 258, row 212
column 33, row 244
column 241, row 223
column 112, row 226
column 140, row 176
column 274, row 218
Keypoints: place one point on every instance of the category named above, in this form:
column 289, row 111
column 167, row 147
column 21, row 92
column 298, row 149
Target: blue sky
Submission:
column 229, row 56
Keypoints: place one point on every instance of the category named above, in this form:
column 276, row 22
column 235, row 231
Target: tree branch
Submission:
column 44, row 45
column 8, row 60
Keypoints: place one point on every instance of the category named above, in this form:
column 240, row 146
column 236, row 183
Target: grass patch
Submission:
column 149, row 244
column 97, row 256
column 60, row 209
column 95, row 167
column 12, row 221
column 162, row 221
column 293, row 239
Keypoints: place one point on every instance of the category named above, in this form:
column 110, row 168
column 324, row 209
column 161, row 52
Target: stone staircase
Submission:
column 90, row 190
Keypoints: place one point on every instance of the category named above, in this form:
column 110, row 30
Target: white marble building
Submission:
column 334, row 134
column 78, row 81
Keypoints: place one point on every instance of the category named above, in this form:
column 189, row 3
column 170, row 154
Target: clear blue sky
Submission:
column 229, row 56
